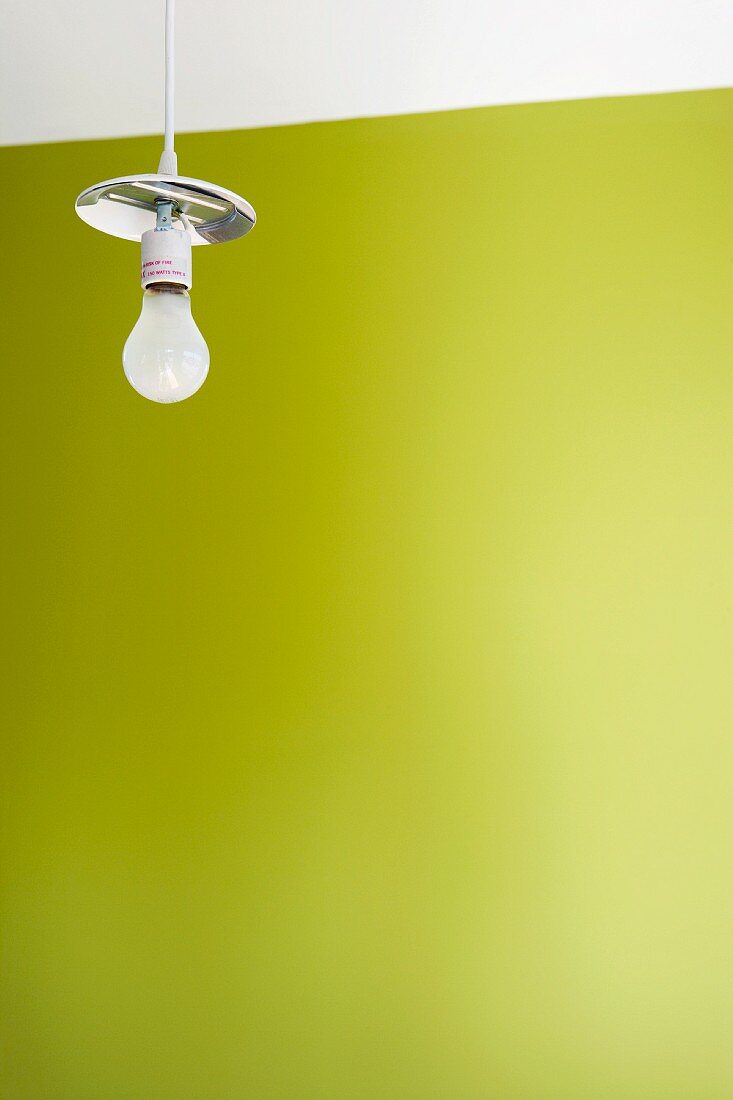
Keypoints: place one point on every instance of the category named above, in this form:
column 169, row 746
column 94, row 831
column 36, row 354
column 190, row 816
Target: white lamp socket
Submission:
column 166, row 257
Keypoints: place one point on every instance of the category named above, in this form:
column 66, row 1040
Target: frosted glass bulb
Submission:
column 166, row 358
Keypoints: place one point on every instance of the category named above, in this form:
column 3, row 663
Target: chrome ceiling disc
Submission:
column 125, row 207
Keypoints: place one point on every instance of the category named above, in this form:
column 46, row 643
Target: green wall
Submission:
column 370, row 713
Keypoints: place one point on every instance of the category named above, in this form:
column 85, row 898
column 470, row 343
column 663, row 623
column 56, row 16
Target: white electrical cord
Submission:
column 185, row 222
column 169, row 161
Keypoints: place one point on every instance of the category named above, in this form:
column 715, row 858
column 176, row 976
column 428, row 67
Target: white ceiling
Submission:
column 86, row 69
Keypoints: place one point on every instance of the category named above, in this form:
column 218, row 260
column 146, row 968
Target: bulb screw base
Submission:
column 166, row 258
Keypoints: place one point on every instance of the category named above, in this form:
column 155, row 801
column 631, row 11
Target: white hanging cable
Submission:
column 168, row 161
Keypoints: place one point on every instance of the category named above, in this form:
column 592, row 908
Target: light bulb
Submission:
column 166, row 358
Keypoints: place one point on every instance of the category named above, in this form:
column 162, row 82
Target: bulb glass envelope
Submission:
column 126, row 207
